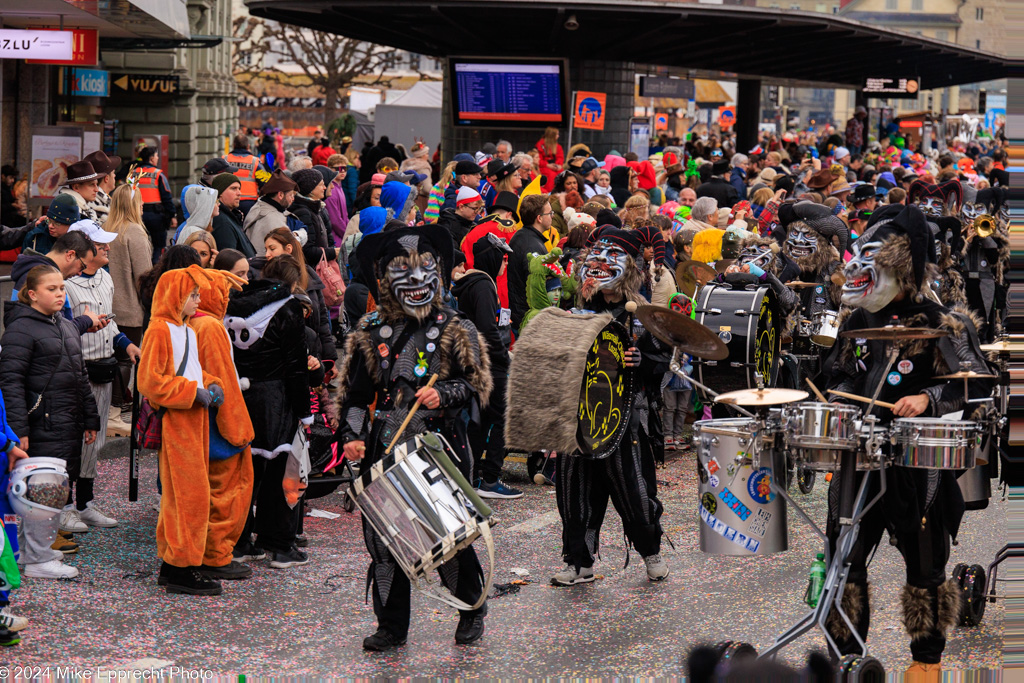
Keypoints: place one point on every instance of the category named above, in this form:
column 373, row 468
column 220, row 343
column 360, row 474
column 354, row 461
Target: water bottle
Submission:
column 816, row 581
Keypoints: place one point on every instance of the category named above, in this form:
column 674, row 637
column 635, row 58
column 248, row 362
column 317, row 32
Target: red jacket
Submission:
column 557, row 159
column 321, row 155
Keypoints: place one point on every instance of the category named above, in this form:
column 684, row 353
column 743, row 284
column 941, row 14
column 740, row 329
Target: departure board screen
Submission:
column 507, row 93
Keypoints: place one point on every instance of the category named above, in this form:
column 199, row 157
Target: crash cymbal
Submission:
column 702, row 272
column 761, row 397
column 1004, row 346
column 894, row 333
column 676, row 329
column 796, row 284
column 967, row 374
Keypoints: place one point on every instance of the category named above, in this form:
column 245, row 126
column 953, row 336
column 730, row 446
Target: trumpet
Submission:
column 984, row 225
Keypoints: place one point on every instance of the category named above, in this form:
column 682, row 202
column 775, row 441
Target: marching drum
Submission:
column 935, row 443
column 818, row 433
column 749, row 322
column 826, row 329
column 424, row 510
column 740, row 514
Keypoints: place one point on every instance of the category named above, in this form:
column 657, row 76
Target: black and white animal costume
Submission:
column 390, row 355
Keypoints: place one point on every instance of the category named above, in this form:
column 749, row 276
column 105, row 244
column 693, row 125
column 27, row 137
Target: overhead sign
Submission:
column 661, row 122
column 590, row 110
column 32, row 44
column 88, row 83
column 895, row 88
column 85, row 48
column 142, row 85
column 726, row 116
column 659, row 86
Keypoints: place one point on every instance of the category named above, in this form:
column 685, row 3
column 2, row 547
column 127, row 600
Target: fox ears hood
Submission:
column 173, row 290
column 214, row 301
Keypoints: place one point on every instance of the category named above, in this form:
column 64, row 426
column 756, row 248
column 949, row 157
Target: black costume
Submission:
column 921, row 508
column 388, row 357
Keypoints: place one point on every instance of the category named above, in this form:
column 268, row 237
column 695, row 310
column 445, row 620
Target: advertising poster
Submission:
column 53, row 150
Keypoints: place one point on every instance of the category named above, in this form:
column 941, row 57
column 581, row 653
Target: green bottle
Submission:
column 816, row 581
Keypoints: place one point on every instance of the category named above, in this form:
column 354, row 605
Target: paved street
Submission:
column 311, row 620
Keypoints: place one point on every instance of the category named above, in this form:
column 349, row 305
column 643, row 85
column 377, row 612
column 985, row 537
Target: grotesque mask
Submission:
column 867, row 286
column 761, row 257
column 415, row 282
column 931, row 206
column 971, row 210
column 604, row 266
column 801, row 241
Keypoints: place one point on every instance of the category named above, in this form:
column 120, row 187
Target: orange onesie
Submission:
column 181, row 529
column 230, row 479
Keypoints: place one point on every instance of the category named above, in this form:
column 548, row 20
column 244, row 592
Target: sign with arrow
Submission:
column 144, row 86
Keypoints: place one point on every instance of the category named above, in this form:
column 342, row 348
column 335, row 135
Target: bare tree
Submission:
column 326, row 61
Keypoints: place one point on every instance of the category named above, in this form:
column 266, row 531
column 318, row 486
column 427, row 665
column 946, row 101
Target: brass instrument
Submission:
column 984, row 225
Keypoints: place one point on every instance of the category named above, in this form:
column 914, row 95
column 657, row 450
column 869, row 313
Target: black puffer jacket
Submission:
column 318, row 240
column 30, row 349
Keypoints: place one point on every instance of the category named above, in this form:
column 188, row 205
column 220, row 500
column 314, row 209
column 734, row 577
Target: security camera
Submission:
column 571, row 24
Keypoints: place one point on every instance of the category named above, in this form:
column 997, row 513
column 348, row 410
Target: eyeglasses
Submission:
column 547, row 213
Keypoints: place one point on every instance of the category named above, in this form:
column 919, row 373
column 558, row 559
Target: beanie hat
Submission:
column 378, row 179
column 467, row 195
column 64, row 210
column 608, row 217
column 307, row 179
column 223, row 181
column 327, row 174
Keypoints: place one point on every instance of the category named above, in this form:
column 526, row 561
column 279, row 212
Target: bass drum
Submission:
column 749, row 322
column 606, row 394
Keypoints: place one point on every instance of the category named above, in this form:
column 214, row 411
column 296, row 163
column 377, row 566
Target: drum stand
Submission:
column 676, row 368
column 852, row 508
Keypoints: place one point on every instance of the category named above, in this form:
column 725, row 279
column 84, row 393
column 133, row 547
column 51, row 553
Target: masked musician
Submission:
column 388, row 361
column 921, row 508
column 609, row 276
column 986, row 257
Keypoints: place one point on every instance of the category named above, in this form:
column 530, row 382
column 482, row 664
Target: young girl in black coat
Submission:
column 50, row 405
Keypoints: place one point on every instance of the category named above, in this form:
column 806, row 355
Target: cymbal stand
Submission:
column 676, row 368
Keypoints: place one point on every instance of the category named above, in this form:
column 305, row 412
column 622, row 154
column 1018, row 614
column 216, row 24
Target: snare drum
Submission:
column 818, row 433
column 423, row 509
column 936, row 444
column 739, row 513
column 826, row 329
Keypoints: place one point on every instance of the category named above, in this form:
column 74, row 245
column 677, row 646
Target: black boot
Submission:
column 232, row 571
column 381, row 641
column 471, row 626
column 8, row 637
column 187, row 581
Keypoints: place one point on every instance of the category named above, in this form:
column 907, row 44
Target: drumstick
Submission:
column 821, row 397
column 862, row 399
column 405, row 422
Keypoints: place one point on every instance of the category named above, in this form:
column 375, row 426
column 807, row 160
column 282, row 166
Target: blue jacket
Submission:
column 736, row 179
column 350, row 184
column 39, row 239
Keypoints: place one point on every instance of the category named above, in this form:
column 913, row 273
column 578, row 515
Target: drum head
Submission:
column 606, row 394
column 769, row 338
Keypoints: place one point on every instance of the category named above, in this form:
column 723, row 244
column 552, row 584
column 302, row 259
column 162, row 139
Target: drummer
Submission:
column 388, row 361
column 610, row 276
column 922, row 508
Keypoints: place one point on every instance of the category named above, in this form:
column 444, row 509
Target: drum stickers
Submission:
column 734, row 504
column 709, row 502
column 759, row 524
column 727, row 532
column 606, row 394
column 759, row 486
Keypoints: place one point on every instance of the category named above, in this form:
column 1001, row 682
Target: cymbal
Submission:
column 967, row 374
column 702, row 272
column 676, row 329
column 894, row 333
column 761, row 397
column 1004, row 346
column 796, row 284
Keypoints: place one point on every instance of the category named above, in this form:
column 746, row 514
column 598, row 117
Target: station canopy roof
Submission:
column 745, row 41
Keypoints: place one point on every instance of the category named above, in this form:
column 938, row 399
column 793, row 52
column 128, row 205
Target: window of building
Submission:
column 977, row 45
column 892, row 4
column 942, row 35
column 979, row 13
column 917, row 5
column 795, row 5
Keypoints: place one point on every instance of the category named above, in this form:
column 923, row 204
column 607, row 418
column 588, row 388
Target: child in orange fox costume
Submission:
column 168, row 346
column 231, row 478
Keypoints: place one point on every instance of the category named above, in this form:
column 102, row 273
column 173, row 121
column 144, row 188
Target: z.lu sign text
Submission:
column 31, row 44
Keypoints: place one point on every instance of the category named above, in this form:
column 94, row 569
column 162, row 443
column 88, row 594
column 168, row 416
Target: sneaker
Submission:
column 670, row 444
column 92, row 516
column 301, row 541
column 71, row 522
column 8, row 637
column 657, row 570
column 54, row 569
column 65, row 545
column 232, row 571
column 381, row 641
column 471, row 627
column 187, row 581
column 293, row 558
column 11, row 622
column 496, row 490
column 245, row 551
column 570, row 576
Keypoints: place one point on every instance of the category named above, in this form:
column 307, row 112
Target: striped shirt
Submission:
column 96, row 292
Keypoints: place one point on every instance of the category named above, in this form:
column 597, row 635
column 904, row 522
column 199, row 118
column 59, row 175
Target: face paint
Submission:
column 414, row 281
column 555, row 296
column 757, row 256
column 801, row 241
column 866, row 286
column 931, row 206
column 604, row 265
column 968, row 212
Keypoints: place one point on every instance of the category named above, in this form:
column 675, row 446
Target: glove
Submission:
column 203, row 397
column 216, row 394
column 756, row 270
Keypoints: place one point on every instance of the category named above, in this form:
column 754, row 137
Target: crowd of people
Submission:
column 283, row 302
